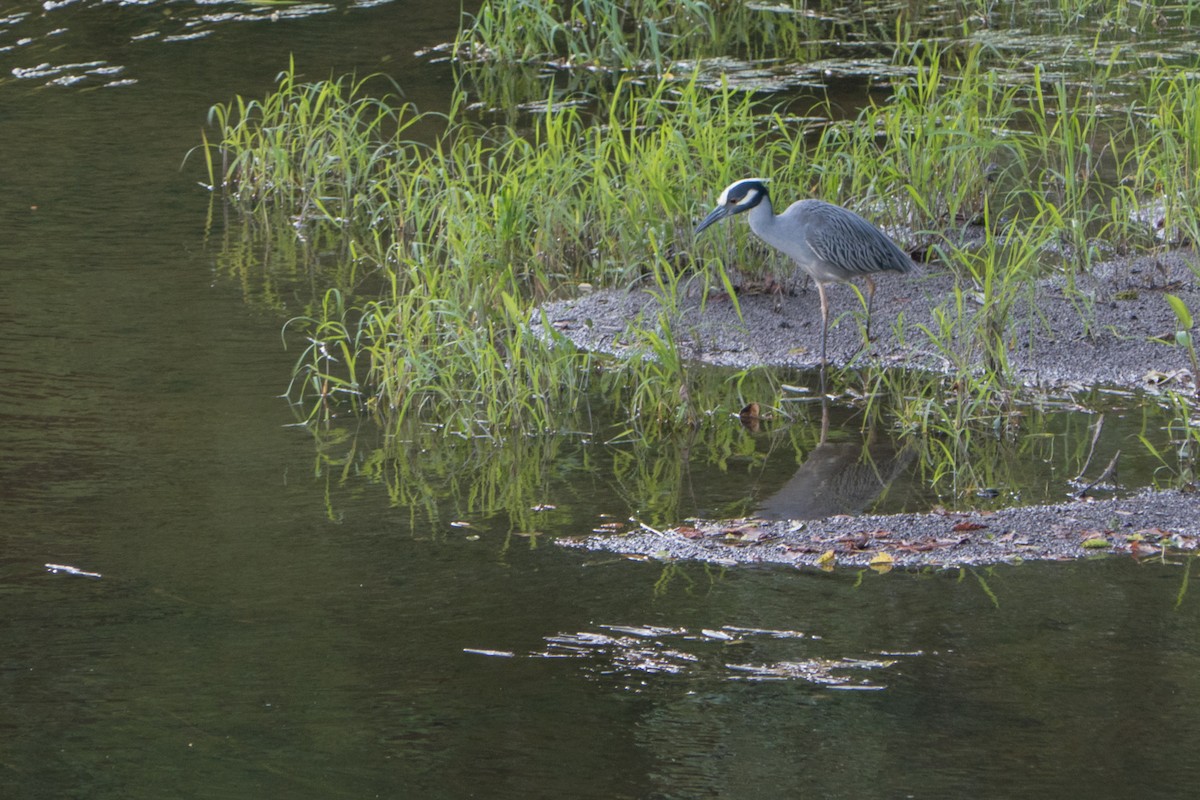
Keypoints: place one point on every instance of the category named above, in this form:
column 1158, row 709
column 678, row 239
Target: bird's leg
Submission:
column 824, row 322
column 870, row 300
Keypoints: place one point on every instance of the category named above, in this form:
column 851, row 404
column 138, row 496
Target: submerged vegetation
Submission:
column 432, row 239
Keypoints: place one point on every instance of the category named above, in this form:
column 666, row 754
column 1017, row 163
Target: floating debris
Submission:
column 493, row 653
column 816, row 670
column 69, row 570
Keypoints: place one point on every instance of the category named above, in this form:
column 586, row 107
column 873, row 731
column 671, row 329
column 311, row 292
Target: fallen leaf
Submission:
column 951, row 542
column 761, row 536
column 968, row 526
column 881, row 563
column 1138, row 549
column 878, row 533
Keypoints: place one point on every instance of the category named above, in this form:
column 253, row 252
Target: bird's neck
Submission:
column 762, row 221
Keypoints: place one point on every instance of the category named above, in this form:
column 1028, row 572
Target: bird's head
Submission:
column 738, row 196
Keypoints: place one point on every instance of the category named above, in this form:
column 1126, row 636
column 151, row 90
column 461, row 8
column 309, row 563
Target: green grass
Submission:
column 465, row 235
column 643, row 34
column 430, row 241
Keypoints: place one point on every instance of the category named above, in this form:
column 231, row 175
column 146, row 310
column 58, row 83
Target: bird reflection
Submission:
column 838, row 477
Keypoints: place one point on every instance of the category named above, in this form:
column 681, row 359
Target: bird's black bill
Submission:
column 718, row 213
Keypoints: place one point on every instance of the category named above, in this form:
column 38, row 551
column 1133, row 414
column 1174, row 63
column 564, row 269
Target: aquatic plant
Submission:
column 464, row 235
column 442, row 235
column 645, row 34
column 1183, row 336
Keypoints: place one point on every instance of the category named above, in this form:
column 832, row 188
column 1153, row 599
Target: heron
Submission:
column 832, row 244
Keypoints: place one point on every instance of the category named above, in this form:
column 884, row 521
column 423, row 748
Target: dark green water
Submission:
column 272, row 623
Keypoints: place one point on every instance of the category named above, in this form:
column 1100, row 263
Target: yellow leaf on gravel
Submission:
column 882, row 562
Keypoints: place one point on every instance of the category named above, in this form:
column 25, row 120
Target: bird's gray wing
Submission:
column 848, row 243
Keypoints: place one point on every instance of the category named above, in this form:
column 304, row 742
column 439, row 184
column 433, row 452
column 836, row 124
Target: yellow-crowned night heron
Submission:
column 830, row 243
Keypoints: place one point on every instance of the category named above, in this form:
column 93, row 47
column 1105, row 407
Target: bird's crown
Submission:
column 746, row 192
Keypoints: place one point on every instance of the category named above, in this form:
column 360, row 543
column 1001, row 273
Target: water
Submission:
column 277, row 618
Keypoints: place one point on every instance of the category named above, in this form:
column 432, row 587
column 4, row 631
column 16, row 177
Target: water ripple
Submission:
column 729, row 653
column 33, row 41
